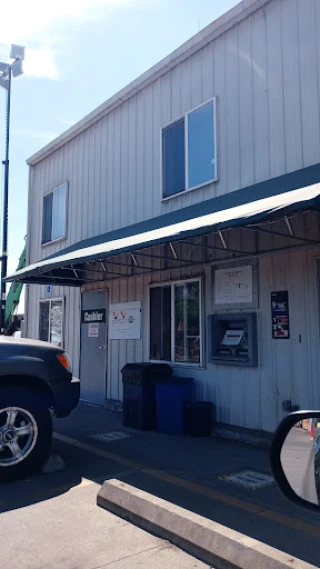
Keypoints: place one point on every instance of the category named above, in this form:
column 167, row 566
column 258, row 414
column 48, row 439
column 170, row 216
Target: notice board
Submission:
column 235, row 285
column 125, row 321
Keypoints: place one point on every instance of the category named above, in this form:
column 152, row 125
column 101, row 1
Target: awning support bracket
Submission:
column 289, row 226
column 223, row 241
column 173, row 251
column 134, row 259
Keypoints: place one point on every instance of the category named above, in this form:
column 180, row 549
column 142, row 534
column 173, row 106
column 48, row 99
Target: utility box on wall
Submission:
column 233, row 339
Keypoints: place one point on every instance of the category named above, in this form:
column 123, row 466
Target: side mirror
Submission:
column 295, row 458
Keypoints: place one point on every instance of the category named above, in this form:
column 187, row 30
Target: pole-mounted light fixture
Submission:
column 7, row 71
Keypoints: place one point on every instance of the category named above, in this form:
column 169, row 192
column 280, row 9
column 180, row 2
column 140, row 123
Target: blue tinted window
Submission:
column 201, row 164
column 54, row 219
column 47, row 218
column 173, row 161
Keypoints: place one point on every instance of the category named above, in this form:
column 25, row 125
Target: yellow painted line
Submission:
column 203, row 490
column 290, row 522
column 98, row 451
column 274, row 516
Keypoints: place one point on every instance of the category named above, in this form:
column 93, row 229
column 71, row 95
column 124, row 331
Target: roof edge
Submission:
column 197, row 42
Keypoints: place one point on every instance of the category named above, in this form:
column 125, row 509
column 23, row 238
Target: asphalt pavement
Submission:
column 54, row 522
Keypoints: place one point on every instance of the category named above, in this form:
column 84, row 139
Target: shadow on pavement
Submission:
column 185, row 471
column 39, row 487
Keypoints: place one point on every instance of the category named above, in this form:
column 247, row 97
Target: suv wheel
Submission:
column 25, row 433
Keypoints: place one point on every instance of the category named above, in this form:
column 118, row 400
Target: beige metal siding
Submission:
column 288, row 369
column 265, row 74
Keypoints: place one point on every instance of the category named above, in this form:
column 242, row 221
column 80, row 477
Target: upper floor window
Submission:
column 189, row 151
column 54, row 215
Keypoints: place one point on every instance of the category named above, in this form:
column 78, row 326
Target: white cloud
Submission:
column 40, row 63
column 67, row 122
column 37, row 134
column 34, row 24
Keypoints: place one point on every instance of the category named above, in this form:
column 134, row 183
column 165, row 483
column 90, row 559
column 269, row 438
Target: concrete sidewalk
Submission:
column 69, row 531
column 190, row 473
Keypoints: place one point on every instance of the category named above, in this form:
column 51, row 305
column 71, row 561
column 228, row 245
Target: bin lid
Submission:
column 174, row 380
column 145, row 371
column 199, row 404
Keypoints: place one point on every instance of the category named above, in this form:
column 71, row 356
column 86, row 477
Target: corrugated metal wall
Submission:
column 288, row 370
column 268, row 124
column 265, row 73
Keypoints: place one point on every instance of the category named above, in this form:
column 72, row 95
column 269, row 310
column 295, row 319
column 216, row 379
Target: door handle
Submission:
column 102, row 347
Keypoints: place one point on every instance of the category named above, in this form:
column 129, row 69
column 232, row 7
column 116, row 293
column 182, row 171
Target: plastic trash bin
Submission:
column 172, row 394
column 139, row 398
column 198, row 418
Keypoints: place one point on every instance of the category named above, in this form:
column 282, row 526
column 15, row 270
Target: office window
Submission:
column 174, row 158
column 51, row 321
column 160, row 323
column 188, row 151
column 175, row 322
column 54, row 218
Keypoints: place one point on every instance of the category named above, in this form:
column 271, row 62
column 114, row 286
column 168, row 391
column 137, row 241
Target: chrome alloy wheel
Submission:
column 18, row 435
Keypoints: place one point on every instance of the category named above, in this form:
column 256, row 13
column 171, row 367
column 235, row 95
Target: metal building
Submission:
column 179, row 221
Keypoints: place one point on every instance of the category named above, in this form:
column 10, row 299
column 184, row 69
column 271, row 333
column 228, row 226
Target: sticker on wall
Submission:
column 280, row 315
column 93, row 330
column 48, row 291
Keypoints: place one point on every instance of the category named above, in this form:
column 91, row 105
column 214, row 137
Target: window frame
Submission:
column 52, row 241
column 172, row 284
column 50, row 300
column 185, row 117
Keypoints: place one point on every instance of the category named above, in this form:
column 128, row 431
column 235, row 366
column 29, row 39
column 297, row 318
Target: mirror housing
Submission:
column 281, row 460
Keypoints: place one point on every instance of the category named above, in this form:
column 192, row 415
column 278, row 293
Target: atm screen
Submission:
column 232, row 338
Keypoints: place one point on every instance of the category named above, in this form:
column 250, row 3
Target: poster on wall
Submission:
column 233, row 285
column 280, row 315
column 93, row 331
column 125, row 321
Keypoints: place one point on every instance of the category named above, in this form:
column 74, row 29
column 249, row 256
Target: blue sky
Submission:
column 78, row 54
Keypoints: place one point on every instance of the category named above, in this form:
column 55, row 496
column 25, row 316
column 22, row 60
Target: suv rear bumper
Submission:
column 66, row 396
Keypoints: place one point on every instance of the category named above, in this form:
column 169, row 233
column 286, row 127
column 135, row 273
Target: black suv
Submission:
column 36, row 383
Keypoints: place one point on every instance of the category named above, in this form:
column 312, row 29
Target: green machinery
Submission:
column 13, row 297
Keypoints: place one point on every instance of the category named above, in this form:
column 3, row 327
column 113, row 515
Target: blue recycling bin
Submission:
column 172, row 395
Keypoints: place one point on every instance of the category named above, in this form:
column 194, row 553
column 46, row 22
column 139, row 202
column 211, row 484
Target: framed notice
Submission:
column 280, row 315
column 235, row 285
column 125, row 321
column 93, row 330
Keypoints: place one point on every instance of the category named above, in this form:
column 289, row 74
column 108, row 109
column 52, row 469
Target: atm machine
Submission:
column 233, row 339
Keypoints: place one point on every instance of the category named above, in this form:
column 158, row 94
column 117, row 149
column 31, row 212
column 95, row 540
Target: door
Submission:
column 93, row 357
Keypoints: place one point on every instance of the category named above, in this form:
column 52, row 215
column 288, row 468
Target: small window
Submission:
column 175, row 323
column 187, row 323
column 189, row 152
column 51, row 321
column 174, row 159
column 160, row 323
column 54, row 220
column 201, row 160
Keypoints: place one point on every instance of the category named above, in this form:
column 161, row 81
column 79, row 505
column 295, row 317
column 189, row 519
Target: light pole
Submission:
column 7, row 71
